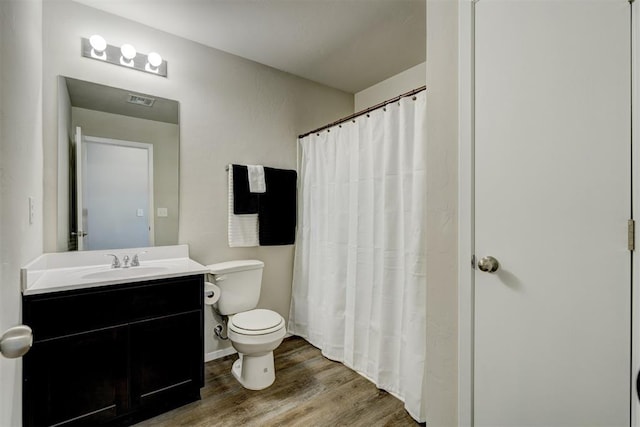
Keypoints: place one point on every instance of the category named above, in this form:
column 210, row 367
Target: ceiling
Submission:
column 98, row 97
column 346, row 44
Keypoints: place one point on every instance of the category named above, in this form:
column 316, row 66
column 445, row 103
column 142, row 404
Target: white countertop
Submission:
column 63, row 271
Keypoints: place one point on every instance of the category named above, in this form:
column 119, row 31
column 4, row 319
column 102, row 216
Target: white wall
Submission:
column 403, row 82
column 442, row 175
column 231, row 111
column 21, row 173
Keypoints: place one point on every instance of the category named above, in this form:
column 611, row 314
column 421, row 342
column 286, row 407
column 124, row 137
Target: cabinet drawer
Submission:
column 66, row 313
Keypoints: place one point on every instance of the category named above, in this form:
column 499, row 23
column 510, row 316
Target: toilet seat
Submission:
column 256, row 322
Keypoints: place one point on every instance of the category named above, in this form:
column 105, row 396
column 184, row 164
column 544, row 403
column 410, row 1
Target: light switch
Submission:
column 163, row 212
column 140, row 212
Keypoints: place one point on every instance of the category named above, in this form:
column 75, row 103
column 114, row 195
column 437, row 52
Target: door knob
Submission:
column 16, row 341
column 488, row 264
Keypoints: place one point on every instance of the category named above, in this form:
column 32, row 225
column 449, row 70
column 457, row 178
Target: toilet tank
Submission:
column 239, row 283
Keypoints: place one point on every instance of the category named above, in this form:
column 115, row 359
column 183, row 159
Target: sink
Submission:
column 64, row 271
column 118, row 273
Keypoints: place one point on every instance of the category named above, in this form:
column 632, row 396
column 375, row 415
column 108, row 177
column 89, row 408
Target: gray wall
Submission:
column 165, row 140
column 403, row 82
column 231, row 111
column 21, row 173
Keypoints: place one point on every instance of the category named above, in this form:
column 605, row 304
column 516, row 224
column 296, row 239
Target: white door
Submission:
column 117, row 193
column 552, row 200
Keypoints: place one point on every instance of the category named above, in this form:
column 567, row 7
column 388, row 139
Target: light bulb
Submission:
column 154, row 59
column 128, row 52
column 98, row 47
column 97, row 43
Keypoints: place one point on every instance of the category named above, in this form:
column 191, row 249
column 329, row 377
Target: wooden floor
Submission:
column 309, row 390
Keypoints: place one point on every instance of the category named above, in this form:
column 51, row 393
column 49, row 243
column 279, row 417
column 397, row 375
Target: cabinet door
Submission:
column 167, row 360
column 79, row 379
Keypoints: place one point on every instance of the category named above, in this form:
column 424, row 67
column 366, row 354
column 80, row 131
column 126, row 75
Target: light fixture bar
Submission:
column 113, row 54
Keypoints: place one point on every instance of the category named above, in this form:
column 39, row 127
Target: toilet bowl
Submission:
column 255, row 334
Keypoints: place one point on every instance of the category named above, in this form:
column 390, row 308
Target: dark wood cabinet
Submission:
column 113, row 355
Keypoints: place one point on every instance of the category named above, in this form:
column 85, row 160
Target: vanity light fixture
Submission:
column 97, row 48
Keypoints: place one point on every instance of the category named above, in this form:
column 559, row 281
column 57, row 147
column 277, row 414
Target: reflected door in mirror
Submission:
column 116, row 188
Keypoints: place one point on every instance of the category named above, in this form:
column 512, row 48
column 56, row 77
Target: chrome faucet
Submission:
column 135, row 262
column 116, row 262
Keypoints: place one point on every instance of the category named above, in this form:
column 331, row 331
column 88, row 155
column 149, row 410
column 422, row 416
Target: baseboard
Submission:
column 208, row 357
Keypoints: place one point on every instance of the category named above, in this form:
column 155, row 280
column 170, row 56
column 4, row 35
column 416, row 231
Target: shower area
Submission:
column 360, row 277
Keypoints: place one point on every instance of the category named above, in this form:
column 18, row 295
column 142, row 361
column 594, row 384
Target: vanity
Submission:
column 112, row 345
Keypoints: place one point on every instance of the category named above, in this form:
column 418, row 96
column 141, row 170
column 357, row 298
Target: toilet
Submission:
column 253, row 332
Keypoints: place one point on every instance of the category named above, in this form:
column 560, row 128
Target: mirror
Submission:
column 118, row 156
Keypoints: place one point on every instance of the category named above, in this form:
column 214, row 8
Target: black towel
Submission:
column 277, row 208
column 244, row 201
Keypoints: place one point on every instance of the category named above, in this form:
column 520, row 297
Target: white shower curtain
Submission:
column 359, row 287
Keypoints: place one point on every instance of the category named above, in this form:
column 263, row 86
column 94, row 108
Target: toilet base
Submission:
column 254, row 372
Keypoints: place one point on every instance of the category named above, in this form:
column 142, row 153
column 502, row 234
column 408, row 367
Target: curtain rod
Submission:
column 363, row 112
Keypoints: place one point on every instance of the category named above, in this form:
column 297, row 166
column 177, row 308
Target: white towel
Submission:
column 243, row 229
column 256, row 179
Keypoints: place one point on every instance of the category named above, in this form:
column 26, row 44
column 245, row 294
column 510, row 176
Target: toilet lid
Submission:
column 258, row 321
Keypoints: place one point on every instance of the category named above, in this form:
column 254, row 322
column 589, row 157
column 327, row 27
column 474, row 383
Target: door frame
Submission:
column 466, row 211
column 635, row 208
column 466, row 208
column 131, row 144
